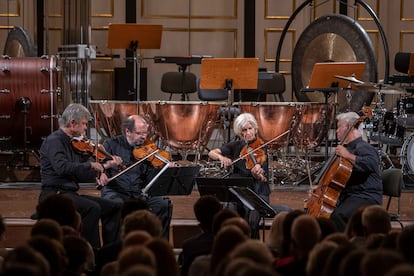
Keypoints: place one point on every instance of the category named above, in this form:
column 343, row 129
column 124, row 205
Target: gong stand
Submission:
column 230, row 73
column 133, row 37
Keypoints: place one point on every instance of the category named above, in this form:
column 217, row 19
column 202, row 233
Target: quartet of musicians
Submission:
column 63, row 167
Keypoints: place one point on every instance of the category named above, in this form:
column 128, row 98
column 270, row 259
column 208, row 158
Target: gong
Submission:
column 19, row 44
column 333, row 38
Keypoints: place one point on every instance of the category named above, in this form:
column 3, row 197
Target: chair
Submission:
column 392, row 183
column 228, row 112
column 271, row 83
column 179, row 83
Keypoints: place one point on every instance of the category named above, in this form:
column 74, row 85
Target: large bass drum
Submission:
column 28, row 101
column 407, row 159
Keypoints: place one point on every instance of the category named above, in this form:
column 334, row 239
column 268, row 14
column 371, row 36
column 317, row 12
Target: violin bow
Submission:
column 96, row 136
column 133, row 165
column 264, row 144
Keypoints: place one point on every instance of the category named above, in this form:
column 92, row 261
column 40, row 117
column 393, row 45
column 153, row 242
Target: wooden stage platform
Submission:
column 18, row 201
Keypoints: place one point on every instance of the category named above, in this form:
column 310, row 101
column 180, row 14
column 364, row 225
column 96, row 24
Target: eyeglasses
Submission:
column 141, row 133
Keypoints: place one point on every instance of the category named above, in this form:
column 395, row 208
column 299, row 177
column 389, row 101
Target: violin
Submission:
column 159, row 159
column 254, row 154
column 84, row 146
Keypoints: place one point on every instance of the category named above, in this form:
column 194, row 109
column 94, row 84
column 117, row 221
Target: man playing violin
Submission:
column 130, row 184
column 245, row 126
column 63, row 168
column 364, row 186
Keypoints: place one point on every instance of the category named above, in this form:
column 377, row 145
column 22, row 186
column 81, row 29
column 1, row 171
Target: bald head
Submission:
column 135, row 129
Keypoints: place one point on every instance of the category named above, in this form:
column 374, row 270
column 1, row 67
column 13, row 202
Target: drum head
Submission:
column 333, row 38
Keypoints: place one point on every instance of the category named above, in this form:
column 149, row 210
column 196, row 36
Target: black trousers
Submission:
column 160, row 206
column 92, row 210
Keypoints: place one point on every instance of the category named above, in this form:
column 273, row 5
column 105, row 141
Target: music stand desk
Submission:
column 175, row 181
column 148, row 36
column 323, row 73
column 219, row 187
column 243, row 73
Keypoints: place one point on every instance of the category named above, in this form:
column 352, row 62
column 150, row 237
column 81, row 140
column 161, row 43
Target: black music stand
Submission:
column 324, row 79
column 253, row 201
column 220, row 187
column 173, row 181
column 230, row 74
column 132, row 37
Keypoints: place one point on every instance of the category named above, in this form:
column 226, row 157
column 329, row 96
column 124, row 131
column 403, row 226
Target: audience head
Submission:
column 287, row 226
column 318, row 256
column 354, row 226
column 350, row 265
column 205, row 208
column 327, row 226
column 405, row 243
column 142, row 220
column 60, row 208
column 141, row 270
column 79, row 253
column 24, row 260
column 242, row 266
column 401, row 270
column 334, row 259
column 48, row 228
column 375, row 219
column 134, row 255
column 305, row 234
column 53, row 252
column 221, row 216
column 254, row 250
column 379, row 262
column 164, row 255
column 226, row 240
column 276, row 233
column 136, row 237
column 339, row 238
column 239, row 222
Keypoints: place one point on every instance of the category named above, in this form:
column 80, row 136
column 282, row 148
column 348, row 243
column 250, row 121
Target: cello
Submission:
column 332, row 179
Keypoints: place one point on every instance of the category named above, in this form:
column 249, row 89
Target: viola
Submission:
column 84, row 146
column 254, row 154
column 157, row 160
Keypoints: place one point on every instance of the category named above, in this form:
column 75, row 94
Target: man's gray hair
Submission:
column 75, row 112
column 350, row 118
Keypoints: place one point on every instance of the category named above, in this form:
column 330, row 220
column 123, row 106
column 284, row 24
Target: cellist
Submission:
column 364, row 186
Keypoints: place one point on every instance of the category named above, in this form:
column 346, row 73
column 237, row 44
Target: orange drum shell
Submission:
column 310, row 129
column 184, row 125
column 273, row 119
column 26, row 78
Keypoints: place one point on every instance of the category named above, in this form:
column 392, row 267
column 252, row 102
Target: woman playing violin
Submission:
column 245, row 127
column 130, row 184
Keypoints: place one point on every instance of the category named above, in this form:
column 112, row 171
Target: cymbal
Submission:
column 350, row 79
column 381, row 88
